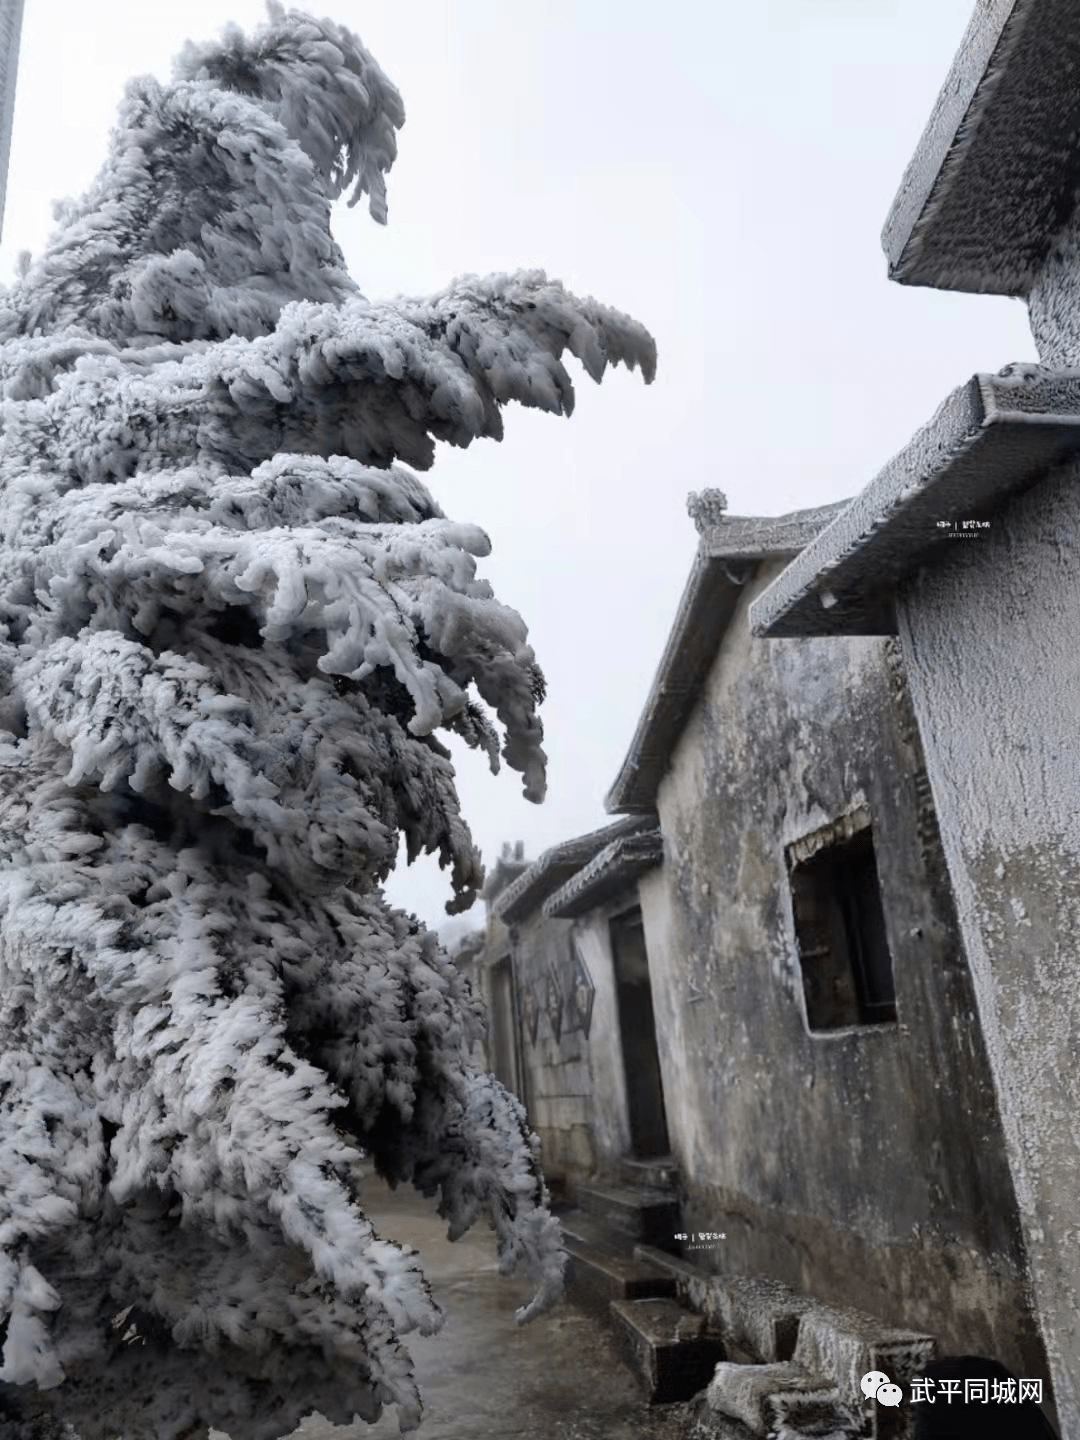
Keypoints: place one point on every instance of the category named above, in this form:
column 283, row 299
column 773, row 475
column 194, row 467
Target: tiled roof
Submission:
column 615, row 868
column 529, row 891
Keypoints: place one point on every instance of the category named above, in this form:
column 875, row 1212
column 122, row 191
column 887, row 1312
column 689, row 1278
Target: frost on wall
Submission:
column 231, row 622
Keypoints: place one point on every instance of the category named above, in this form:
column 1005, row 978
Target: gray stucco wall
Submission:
column 478, row 971
column 865, row 1167
column 607, row 1077
column 575, row 1087
column 992, row 643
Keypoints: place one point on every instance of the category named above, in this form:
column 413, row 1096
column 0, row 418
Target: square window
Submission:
column 840, row 927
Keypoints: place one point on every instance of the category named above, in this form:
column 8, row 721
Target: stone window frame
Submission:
column 839, row 832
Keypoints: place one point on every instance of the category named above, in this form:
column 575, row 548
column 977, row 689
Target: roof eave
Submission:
column 994, row 176
column 607, row 875
column 992, row 438
column 555, row 866
column 705, row 612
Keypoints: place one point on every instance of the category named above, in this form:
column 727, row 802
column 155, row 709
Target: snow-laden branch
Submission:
column 375, row 382
column 366, row 595
column 324, row 88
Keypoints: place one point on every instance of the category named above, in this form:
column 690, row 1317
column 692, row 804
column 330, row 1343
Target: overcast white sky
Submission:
column 720, row 171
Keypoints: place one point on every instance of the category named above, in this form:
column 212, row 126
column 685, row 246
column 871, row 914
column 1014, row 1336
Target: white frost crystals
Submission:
column 231, row 623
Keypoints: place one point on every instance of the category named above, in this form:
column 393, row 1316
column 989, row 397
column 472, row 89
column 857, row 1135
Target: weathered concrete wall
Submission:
column 575, row 1084
column 991, row 644
column 496, row 947
column 611, row 1131
column 558, row 1090
column 866, row 1167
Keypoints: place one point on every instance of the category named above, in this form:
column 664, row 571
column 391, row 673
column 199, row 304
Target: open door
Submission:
column 637, row 1025
column 503, row 1027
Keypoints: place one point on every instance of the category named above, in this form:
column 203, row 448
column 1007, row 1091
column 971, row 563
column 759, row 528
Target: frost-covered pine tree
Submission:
column 231, row 623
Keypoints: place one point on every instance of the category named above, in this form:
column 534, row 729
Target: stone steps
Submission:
column 612, row 1276
column 603, row 1268
column 645, row 1214
column 668, row 1346
column 661, row 1173
column 762, row 1358
column 596, row 1280
column 581, row 1228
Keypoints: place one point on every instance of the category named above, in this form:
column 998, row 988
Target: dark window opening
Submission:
column 840, row 926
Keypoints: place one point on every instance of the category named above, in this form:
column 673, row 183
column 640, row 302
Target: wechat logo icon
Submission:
column 876, row 1385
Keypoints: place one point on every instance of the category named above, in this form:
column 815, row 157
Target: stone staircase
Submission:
column 645, row 1214
column 761, row 1359
column 614, row 1234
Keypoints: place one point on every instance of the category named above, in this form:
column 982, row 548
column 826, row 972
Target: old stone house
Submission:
column 563, row 1027
column 829, row 1098
column 754, row 980
column 852, row 909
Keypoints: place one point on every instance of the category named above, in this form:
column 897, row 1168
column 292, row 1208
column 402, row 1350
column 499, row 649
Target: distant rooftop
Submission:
column 995, row 176
column 510, row 864
column 616, row 867
column 730, row 548
column 555, row 866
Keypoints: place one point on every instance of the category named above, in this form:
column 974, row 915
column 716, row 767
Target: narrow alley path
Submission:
column 486, row 1378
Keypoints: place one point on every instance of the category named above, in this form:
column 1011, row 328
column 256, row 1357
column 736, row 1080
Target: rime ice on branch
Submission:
column 231, row 623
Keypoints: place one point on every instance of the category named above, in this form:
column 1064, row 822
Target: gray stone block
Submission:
column 763, row 1396
column 844, row 1344
column 758, row 1316
column 670, row 1348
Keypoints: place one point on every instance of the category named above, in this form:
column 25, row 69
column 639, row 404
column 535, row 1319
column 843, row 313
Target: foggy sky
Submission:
column 720, row 172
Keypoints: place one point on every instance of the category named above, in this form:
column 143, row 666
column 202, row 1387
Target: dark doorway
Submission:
column 637, row 1025
column 504, row 1048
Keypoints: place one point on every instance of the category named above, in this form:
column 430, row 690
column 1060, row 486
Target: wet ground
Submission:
column 485, row 1377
